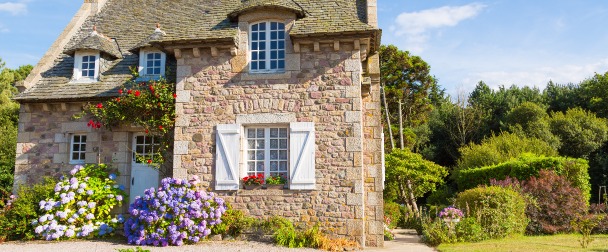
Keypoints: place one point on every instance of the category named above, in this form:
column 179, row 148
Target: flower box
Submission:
column 253, row 187
column 275, row 187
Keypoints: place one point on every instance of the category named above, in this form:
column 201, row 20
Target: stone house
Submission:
column 288, row 87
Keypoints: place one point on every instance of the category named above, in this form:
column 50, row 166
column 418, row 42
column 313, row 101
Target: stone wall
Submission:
column 324, row 88
column 43, row 143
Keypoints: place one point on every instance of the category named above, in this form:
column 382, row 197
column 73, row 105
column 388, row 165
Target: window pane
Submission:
column 260, row 155
column 283, row 154
column 274, row 155
column 281, row 35
column 283, row 165
column 281, row 54
column 83, row 147
column 250, row 133
column 150, row 71
column 76, row 147
column 281, row 26
column 254, row 36
column 274, row 166
column 273, row 25
column 91, row 73
column 139, row 140
column 75, row 156
column 274, row 132
column 91, row 58
column 251, row 155
column 262, row 26
column 273, row 55
column 260, row 167
column 262, row 65
column 283, row 143
column 157, row 63
column 262, row 46
column 262, row 35
column 83, row 139
column 260, row 133
column 254, row 27
column 283, row 132
column 81, row 156
column 273, row 35
column 157, row 71
column 273, row 65
column 251, row 166
column 254, row 65
column 254, row 55
column 281, row 64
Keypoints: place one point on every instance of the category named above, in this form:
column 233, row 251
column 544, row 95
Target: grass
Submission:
column 563, row 242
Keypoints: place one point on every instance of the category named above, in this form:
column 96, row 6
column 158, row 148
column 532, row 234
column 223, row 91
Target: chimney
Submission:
column 372, row 13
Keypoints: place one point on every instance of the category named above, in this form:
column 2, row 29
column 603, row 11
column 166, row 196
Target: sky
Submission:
column 500, row 42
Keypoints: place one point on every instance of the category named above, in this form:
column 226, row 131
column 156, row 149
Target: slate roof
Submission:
column 262, row 4
column 96, row 41
column 132, row 24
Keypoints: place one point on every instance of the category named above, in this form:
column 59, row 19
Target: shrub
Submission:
column 600, row 209
column 557, row 203
column 501, row 148
column 81, row 205
column 233, row 223
column 435, row 232
column 177, row 213
column 17, row 214
column 392, row 211
column 501, row 211
column 584, row 225
column 469, row 230
column 443, row 196
column 573, row 169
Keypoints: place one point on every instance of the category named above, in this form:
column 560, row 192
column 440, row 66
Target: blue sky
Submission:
column 501, row 42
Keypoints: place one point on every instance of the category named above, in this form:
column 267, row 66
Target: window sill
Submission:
column 84, row 81
column 265, row 76
column 149, row 78
column 270, row 192
column 76, row 162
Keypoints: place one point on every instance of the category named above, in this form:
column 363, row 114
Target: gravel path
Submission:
column 103, row 246
column 406, row 240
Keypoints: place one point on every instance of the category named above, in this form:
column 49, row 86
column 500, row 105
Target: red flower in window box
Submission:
column 137, row 93
column 99, row 105
column 253, row 179
column 120, row 91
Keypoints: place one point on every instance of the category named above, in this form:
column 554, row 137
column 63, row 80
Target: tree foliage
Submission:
column 581, row 132
column 409, row 176
column 9, row 116
column 409, row 90
column 501, row 148
column 531, row 120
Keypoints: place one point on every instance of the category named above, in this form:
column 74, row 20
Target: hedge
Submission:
column 500, row 211
column 526, row 166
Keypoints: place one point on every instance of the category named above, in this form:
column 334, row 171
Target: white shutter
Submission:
column 302, row 156
column 227, row 153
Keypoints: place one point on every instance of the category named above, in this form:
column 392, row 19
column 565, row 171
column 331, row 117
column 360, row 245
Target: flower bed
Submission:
column 81, row 205
column 175, row 214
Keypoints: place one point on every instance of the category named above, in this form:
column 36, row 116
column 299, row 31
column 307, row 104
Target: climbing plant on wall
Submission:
column 150, row 105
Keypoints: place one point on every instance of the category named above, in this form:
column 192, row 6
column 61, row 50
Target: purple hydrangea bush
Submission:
column 177, row 213
column 81, row 205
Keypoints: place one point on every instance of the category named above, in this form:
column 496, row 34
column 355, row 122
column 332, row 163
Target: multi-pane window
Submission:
column 153, row 63
column 267, row 47
column 267, row 151
column 78, row 149
column 88, row 67
column 145, row 147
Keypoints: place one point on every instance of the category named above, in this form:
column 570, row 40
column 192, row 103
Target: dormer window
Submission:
column 86, row 66
column 152, row 64
column 267, row 46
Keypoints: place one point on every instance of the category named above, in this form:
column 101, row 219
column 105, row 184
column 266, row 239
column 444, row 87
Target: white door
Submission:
column 143, row 176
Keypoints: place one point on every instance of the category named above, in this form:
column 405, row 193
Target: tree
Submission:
column 501, row 148
column 530, row 120
column 581, row 132
column 562, row 97
column 409, row 177
column 9, row 116
column 594, row 94
column 408, row 89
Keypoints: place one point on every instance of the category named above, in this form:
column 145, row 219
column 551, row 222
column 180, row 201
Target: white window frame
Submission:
column 143, row 61
column 153, row 145
column 266, row 170
column 79, row 151
column 78, row 57
column 267, row 50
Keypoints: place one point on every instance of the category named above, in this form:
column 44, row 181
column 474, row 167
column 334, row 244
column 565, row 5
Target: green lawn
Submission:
column 531, row 243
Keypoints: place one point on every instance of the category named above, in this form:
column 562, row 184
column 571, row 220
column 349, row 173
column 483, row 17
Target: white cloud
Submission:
column 416, row 26
column 14, row 8
column 537, row 77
